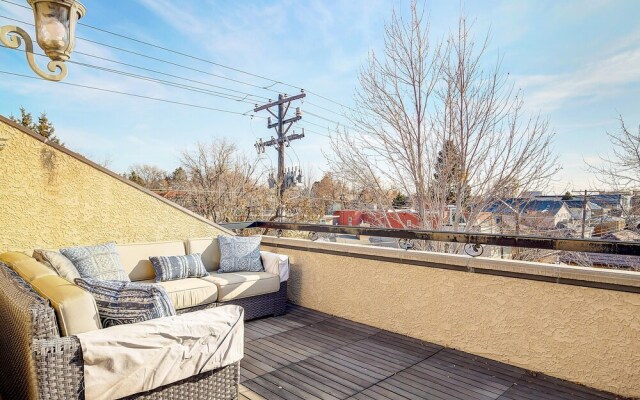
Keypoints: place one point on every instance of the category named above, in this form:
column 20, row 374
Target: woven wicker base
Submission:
column 254, row 307
column 219, row 384
column 196, row 308
column 263, row 305
column 36, row 363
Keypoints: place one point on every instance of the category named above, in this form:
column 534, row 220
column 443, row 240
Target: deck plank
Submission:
column 306, row 354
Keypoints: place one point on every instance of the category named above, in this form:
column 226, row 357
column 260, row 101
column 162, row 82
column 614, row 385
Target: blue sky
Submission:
column 578, row 63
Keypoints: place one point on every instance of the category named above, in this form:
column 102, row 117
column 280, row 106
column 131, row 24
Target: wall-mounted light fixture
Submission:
column 55, row 22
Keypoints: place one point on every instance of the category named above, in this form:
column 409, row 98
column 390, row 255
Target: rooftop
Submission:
column 306, row 354
column 526, row 205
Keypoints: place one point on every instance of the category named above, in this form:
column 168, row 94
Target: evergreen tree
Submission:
column 567, row 196
column 25, row 119
column 135, row 178
column 178, row 176
column 43, row 127
column 448, row 174
column 399, row 201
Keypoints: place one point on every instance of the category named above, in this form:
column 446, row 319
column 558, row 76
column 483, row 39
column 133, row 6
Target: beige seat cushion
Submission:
column 189, row 292
column 75, row 308
column 210, row 250
column 27, row 267
column 238, row 285
column 135, row 257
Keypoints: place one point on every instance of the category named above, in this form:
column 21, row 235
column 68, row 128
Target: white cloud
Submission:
column 593, row 82
column 176, row 15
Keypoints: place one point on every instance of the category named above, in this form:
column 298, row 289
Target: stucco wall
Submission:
column 49, row 198
column 585, row 335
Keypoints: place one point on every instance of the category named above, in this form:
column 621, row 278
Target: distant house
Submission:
column 606, row 201
column 608, row 225
column 612, row 201
column 396, row 219
column 575, row 207
column 535, row 213
column 625, row 235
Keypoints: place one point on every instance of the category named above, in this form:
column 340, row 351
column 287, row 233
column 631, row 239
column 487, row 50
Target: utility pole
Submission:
column 585, row 201
column 584, row 213
column 282, row 127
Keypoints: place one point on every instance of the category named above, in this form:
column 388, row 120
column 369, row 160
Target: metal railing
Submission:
column 469, row 238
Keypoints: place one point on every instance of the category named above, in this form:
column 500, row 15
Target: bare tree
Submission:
column 432, row 121
column 147, row 175
column 222, row 184
column 621, row 170
column 498, row 147
column 392, row 140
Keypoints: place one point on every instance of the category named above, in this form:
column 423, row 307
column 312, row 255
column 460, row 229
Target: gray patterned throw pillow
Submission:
column 238, row 253
column 178, row 267
column 101, row 262
column 127, row 302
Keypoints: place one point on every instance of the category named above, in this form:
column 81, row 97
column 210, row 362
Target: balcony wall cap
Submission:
column 581, row 276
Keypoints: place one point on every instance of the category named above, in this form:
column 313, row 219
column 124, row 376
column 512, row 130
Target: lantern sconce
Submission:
column 55, row 22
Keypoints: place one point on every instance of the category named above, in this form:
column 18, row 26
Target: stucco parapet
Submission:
column 4, row 121
column 581, row 276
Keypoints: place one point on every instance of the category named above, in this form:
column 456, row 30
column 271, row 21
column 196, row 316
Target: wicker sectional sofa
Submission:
column 40, row 314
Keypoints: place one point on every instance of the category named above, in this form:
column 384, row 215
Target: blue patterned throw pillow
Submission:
column 240, row 254
column 127, row 302
column 178, row 267
column 101, row 262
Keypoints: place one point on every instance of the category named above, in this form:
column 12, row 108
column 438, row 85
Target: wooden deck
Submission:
column 309, row 355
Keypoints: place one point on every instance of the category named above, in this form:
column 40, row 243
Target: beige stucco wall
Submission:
column 585, row 335
column 50, row 199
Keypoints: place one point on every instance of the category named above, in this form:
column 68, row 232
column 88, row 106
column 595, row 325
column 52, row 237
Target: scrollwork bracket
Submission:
column 10, row 37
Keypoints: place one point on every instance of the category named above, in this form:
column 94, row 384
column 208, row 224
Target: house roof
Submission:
column 601, row 200
column 577, row 203
column 606, row 200
column 526, row 206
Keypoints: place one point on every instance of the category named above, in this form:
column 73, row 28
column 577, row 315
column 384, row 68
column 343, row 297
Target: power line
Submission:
column 16, row 4
column 323, row 118
column 133, row 95
column 296, row 154
column 154, row 80
column 331, row 120
column 274, row 81
column 323, row 108
column 172, row 76
column 151, row 57
column 164, row 82
column 330, row 101
column 178, row 85
column 315, row 132
column 189, row 68
column 267, row 154
column 318, row 125
column 174, row 64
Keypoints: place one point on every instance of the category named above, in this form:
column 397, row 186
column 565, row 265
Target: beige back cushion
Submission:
column 75, row 308
column 27, row 267
column 210, row 250
column 135, row 257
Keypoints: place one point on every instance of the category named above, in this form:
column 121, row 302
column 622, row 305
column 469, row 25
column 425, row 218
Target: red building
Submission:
column 396, row 219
